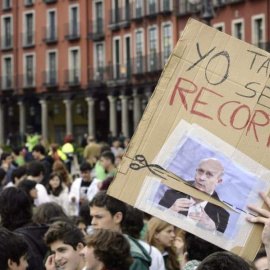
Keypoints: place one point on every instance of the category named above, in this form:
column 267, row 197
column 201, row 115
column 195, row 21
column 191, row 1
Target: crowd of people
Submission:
column 51, row 220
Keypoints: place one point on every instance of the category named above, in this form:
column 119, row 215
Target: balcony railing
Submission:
column 49, row 79
column 27, row 81
column 28, row 39
column 137, row 14
column 96, row 31
column 50, row 1
column 28, row 3
column 72, row 31
column 119, row 18
column 72, row 77
column 120, row 73
column 186, row 8
column 6, row 42
column 6, row 82
column 154, row 62
column 6, row 5
column 97, row 75
column 49, row 35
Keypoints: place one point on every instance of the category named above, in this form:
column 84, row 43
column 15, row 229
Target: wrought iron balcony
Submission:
column 154, row 62
column 49, row 35
column 120, row 74
column 6, row 5
column 6, row 43
column 28, row 3
column 28, row 39
column 6, row 82
column 139, row 65
column 27, row 81
column 119, row 18
column 72, row 31
column 49, row 79
column 137, row 14
column 96, row 30
column 50, row 1
column 72, row 77
column 186, row 8
column 97, row 76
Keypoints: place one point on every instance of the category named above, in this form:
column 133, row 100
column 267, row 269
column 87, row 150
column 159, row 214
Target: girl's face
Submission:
column 33, row 193
column 166, row 237
column 55, row 182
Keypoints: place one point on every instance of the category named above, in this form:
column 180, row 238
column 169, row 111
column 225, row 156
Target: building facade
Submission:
column 90, row 66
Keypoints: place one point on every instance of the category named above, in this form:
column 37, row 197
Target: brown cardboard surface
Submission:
column 226, row 92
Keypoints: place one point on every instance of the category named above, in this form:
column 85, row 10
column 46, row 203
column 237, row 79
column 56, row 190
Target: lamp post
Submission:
column 207, row 12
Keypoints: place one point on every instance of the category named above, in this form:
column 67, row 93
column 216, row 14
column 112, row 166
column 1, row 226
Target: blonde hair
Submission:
column 156, row 225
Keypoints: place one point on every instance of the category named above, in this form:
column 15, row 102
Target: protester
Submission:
column 18, row 156
column 66, row 242
column 80, row 223
column 116, row 149
column 107, row 160
column 3, row 178
column 58, row 192
column 29, row 187
column 16, row 215
column 49, row 212
column 91, row 150
column 35, row 172
column 68, row 150
column 106, row 249
column 39, row 154
column 17, row 176
column 13, row 251
column 60, row 168
column 56, row 153
column 133, row 225
column 7, row 165
column 161, row 235
column 83, row 189
column 109, row 213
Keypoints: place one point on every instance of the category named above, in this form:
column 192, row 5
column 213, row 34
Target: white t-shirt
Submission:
column 43, row 196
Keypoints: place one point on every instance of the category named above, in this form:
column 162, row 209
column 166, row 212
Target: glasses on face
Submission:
column 208, row 174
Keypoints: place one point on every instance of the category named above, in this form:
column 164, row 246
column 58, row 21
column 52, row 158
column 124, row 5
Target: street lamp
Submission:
column 207, row 12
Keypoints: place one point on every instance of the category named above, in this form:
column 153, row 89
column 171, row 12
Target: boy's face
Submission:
column 103, row 219
column 23, row 264
column 66, row 257
column 91, row 262
column 105, row 162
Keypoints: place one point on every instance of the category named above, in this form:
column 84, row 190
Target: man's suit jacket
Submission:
column 219, row 215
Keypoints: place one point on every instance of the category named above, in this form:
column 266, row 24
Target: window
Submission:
column 51, row 67
column 153, row 56
column 99, row 17
column 127, row 55
column 28, row 26
column 116, row 11
column 99, row 61
column 127, row 10
column 28, row 2
column 220, row 27
column 74, row 66
column 258, row 31
column 166, row 5
column 74, row 30
column 51, row 25
column 238, row 29
column 6, row 32
column 139, row 51
column 7, row 72
column 152, row 7
column 6, row 4
column 29, row 70
column 116, row 58
column 167, row 41
column 138, row 8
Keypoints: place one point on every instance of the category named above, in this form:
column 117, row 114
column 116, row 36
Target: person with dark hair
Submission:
column 3, row 178
column 68, row 149
column 80, row 223
column 107, row 161
column 39, row 154
column 35, row 172
column 7, row 165
column 17, row 176
column 85, row 214
column 197, row 250
column 29, row 187
column 58, row 192
column 83, row 189
column 223, row 260
column 133, row 225
column 109, row 213
column 66, row 242
column 47, row 212
column 13, row 251
column 106, row 249
column 60, row 168
column 16, row 215
column 18, row 156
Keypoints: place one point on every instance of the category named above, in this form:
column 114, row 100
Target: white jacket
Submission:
column 75, row 192
column 43, row 196
column 62, row 200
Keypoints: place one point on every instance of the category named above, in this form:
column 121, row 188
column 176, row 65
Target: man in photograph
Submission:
column 208, row 175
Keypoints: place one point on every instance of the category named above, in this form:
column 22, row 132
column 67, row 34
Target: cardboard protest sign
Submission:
column 202, row 149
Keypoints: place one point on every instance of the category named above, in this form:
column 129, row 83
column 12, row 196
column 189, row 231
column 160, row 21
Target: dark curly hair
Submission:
column 111, row 248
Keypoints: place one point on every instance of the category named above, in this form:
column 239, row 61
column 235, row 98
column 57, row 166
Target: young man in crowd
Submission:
column 17, row 176
column 7, row 165
column 13, row 251
column 83, row 189
column 35, row 172
column 109, row 213
column 66, row 242
column 39, row 154
column 107, row 161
